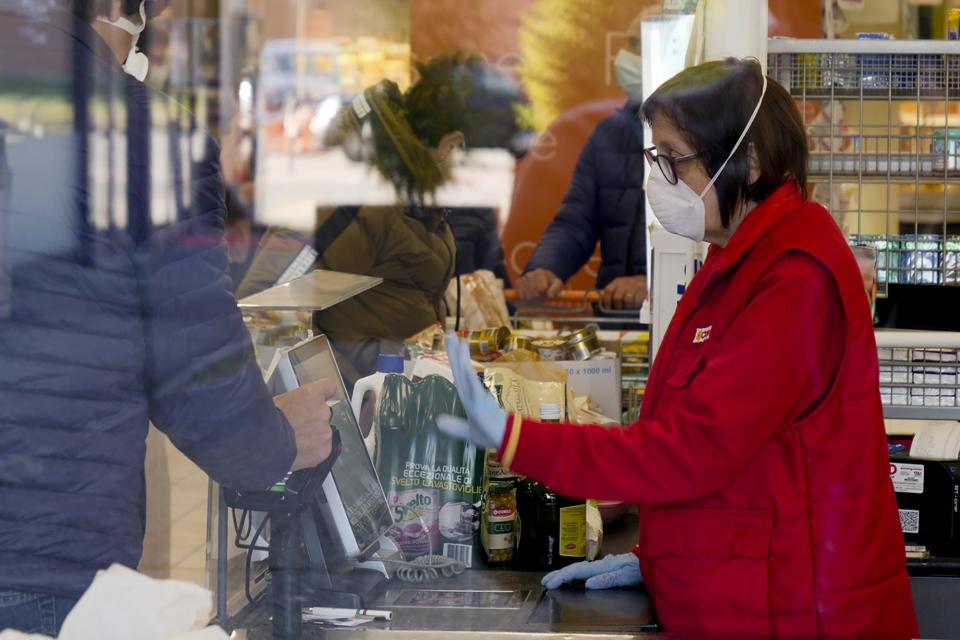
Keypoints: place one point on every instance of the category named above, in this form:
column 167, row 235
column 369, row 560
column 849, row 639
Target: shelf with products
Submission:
column 820, row 172
column 883, row 124
column 928, row 153
column 919, row 374
column 881, row 70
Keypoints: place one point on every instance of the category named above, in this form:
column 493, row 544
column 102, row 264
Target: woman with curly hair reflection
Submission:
column 410, row 138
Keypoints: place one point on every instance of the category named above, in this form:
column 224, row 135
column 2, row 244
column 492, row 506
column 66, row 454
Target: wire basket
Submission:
column 923, row 259
column 842, row 74
column 885, row 152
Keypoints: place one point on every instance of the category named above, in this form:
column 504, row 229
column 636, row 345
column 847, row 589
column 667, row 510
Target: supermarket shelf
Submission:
column 911, row 412
column 879, row 178
column 874, row 95
column 919, row 165
column 891, row 47
column 882, row 164
column 924, row 219
column 867, row 70
column 902, row 339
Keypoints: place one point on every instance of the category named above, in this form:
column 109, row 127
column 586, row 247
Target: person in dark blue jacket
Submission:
column 604, row 202
column 114, row 316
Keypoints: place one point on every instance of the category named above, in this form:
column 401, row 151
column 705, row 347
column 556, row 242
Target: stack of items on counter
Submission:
column 448, row 498
column 524, row 522
column 591, row 369
column 490, row 345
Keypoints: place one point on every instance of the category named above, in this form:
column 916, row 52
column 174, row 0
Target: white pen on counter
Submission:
column 336, row 614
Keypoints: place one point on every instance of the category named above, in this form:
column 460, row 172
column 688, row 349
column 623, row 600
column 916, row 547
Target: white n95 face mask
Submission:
column 629, row 68
column 137, row 64
column 678, row 207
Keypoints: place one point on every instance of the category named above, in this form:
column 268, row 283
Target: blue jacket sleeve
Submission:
column 570, row 239
column 204, row 388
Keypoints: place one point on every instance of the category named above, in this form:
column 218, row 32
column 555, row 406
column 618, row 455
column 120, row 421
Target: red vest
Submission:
column 827, row 560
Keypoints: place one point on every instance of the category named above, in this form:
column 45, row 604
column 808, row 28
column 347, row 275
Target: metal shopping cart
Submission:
column 623, row 332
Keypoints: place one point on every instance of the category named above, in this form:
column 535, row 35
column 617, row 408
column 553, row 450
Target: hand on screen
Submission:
column 308, row 414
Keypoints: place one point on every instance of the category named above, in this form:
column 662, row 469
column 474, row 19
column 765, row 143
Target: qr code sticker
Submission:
column 910, row 521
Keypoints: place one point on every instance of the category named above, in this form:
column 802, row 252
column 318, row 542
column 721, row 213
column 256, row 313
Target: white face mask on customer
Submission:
column 137, row 64
column 678, row 207
column 629, row 67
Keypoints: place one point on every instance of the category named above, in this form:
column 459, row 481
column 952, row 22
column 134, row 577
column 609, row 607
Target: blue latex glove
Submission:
column 613, row 571
column 486, row 422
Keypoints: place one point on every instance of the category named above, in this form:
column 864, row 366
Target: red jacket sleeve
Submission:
column 775, row 361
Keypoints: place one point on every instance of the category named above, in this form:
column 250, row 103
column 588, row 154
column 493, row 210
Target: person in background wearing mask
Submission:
column 759, row 461
column 604, row 202
column 112, row 325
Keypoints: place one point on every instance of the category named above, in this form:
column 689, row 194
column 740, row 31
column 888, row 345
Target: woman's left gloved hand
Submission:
column 486, row 422
column 613, row 571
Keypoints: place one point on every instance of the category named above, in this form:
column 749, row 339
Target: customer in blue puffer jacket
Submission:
column 604, row 202
column 114, row 317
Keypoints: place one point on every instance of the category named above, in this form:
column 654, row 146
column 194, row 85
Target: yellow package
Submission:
column 544, row 397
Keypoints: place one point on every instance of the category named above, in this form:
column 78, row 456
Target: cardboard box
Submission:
column 598, row 378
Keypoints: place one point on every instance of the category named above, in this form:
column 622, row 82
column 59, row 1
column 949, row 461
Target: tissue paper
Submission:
column 122, row 604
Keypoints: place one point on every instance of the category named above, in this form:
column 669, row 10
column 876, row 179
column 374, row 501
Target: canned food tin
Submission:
column 481, row 345
column 552, row 348
column 518, row 343
column 496, row 336
column 584, row 343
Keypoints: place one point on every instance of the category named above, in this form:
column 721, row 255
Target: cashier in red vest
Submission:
column 759, row 461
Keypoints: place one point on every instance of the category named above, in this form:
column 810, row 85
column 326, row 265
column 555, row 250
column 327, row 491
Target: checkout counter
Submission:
column 481, row 602
column 491, row 603
column 502, row 603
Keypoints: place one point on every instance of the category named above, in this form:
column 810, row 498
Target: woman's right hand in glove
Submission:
column 486, row 422
column 613, row 571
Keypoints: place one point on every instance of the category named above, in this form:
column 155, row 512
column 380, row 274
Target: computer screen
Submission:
column 353, row 491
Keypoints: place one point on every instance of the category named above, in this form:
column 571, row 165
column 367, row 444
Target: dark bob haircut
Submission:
column 711, row 103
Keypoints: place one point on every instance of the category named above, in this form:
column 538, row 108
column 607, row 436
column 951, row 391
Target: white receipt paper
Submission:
column 937, row 441
column 344, row 617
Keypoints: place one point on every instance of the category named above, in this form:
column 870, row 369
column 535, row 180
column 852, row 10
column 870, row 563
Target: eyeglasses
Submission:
column 667, row 163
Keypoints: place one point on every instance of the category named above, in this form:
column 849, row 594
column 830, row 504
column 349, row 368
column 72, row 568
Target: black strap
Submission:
column 629, row 268
column 334, row 226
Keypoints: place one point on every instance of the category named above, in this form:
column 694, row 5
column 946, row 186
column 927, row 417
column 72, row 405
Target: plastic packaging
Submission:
column 433, row 483
column 364, row 406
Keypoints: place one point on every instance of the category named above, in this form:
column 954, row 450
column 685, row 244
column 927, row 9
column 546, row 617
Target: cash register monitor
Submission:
column 356, row 509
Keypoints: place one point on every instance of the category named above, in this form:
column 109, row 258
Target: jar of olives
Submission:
column 499, row 522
